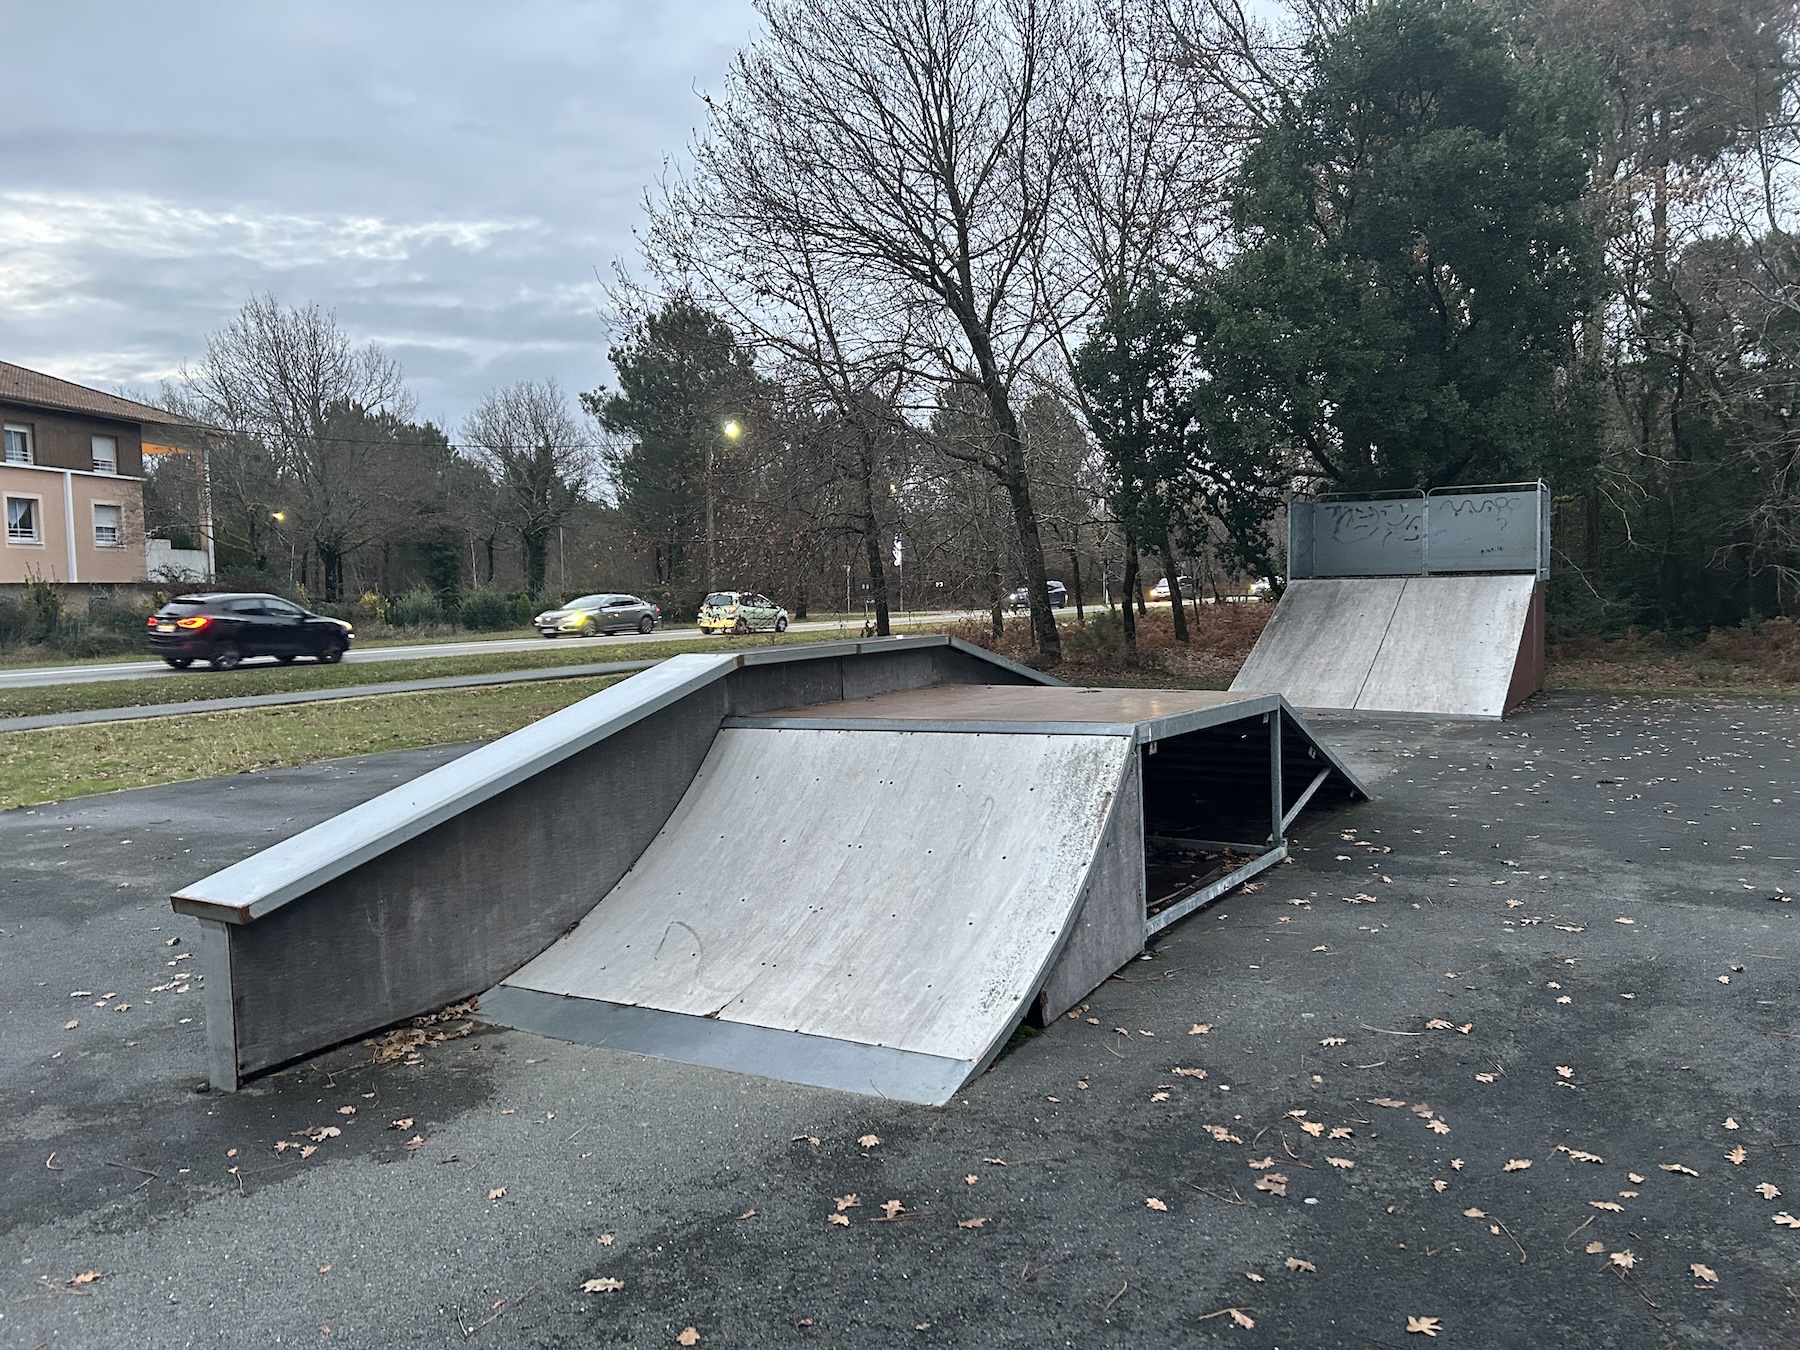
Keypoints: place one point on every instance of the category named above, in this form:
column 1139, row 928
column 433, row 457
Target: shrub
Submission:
column 522, row 610
column 416, row 609
column 486, row 610
column 371, row 609
column 43, row 610
column 12, row 623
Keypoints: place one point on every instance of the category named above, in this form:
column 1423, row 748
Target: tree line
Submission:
column 963, row 296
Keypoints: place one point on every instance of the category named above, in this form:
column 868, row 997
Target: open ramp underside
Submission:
column 1441, row 646
column 864, row 909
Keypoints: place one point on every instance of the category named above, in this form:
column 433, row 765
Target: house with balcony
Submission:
column 72, row 485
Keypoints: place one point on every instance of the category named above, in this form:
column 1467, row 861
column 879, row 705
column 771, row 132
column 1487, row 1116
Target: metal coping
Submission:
column 285, row 871
column 788, row 1056
column 1150, row 729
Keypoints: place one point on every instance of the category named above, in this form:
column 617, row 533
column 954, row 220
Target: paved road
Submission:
column 1492, row 957
column 93, row 673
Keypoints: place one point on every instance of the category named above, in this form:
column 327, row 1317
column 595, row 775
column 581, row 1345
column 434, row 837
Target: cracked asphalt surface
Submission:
column 1461, row 937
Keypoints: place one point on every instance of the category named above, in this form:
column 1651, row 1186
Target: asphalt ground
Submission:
column 1454, row 947
column 96, row 672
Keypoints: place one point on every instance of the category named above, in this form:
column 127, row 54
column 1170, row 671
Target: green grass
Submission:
column 63, row 762
column 259, row 679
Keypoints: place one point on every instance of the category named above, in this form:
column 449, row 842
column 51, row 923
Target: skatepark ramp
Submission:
column 1430, row 604
column 855, row 865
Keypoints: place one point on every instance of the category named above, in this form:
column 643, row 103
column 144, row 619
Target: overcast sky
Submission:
column 447, row 176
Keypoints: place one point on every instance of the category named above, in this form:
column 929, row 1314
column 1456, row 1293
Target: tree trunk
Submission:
column 1131, row 585
column 1175, row 610
column 871, row 533
column 997, row 592
column 536, row 546
column 1075, row 583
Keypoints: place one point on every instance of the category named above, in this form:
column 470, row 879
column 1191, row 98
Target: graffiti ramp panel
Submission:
column 906, row 890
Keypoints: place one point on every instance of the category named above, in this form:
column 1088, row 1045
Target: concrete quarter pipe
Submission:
column 853, row 865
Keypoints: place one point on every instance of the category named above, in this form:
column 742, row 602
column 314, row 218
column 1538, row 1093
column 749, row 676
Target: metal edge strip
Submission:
column 1155, row 923
column 754, row 722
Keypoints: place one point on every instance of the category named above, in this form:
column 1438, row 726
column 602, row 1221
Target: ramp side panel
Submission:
column 888, row 888
column 1451, row 647
column 1319, row 647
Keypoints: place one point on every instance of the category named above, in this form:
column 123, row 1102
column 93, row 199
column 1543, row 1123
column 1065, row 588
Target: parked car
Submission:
column 1059, row 597
column 592, row 615
column 224, row 629
column 741, row 612
column 1160, row 591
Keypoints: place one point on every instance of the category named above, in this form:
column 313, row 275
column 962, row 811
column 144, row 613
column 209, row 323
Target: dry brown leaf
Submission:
column 1438, row 1024
column 1159, row 1096
column 1706, row 1273
column 849, row 1201
column 1334, row 1040
column 891, row 1209
column 404, row 1123
column 1294, row 1263
column 1253, row 1277
column 1457, row 1163
column 415, row 1143
column 1594, row 1248
column 1578, row 1155
column 1635, row 1177
column 1261, row 1164
column 1484, row 1077
column 1272, row 1182
column 971, row 1179
column 971, row 1223
column 1390, row 1102
column 1153, row 1203
column 1200, row 1028
column 747, row 1214
column 346, row 1110
column 1242, row 1318
column 1730, row 1123
column 1343, row 1163
column 1428, row 1326
column 1766, row 1191
column 1438, row 1127
column 1516, row 1164
column 1624, row 920
column 1223, row 1135
column 1188, row 1073
column 1610, row 1206
column 71, row 1024
column 688, row 1336
column 1677, row 1167
column 838, row 1219
column 1564, row 1071
column 605, row 1239
column 1313, row 1127
column 1564, row 998
column 497, row 1192
column 1724, row 979
column 869, row 1140
column 1422, row 1111
column 812, row 1139
column 1440, row 1186
column 1623, row 1260
column 1466, row 1028
column 319, row 1133
column 1340, row 1132
column 307, row 1150
column 86, row 1277
column 603, row 1285
column 1473, row 1213
column 1785, row 1219
column 1737, row 1156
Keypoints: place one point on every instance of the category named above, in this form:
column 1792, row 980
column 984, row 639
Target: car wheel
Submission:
column 740, row 628
column 332, row 654
column 646, row 624
column 179, row 662
column 226, row 658
column 781, row 624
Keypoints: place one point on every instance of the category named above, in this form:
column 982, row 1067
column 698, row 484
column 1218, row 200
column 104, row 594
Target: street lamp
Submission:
column 278, row 516
column 733, row 430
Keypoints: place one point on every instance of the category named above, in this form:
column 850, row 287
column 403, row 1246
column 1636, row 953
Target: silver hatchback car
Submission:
column 592, row 615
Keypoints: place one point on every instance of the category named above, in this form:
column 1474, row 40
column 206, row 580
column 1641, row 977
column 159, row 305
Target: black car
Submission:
column 1059, row 597
column 224, row 629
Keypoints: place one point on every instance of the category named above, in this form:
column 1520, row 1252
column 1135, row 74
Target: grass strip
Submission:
column 63, row 762
column 246, row 681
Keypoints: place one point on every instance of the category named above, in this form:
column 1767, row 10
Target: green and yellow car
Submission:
column 741, row 612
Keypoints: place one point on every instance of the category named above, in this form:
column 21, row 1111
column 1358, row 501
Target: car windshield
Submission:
column 588, row 602
column 722, row 598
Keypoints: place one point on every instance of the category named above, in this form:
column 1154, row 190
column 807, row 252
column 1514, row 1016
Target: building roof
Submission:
column 19, row 385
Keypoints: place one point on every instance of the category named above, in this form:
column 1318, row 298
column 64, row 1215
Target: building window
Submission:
column 18, row 444
column 106, row 526
column 22, row 520
column 106, row 454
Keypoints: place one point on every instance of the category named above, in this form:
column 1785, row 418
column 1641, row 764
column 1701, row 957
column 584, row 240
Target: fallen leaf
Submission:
column 1254, row 1278
column 1200, row 1028
column 1677, row 1167
column 1594, row 1248
column 1334, row 1040
column 415, row 1143
column 1786, row 1220
column 845, row 1202
column 1223, row 1135
column 1635, row 1177
column 605, row 1239
column 1340, row 1132
column 1313, row 1127
column 971, row 1179
column 971, row 1223
column 747, row 1214
column 1611, row 1206
column 1465, row 1028
column 1390, row 1102
column 688, row 1336
column 1294, row 1263
column 1272, row 1182
column 1188, row 1073
column 86, row 1277
column 1438, row 1127
column 1437, row 1024
column 1564, row 1071
column 497, row 1192
column 1737, row 1155
column 1457, row 1163
column 1724, row 979
column 838, row 1219
column 869, row 1140
column 307, row 1150
column 71, row 1024
column 1473, row 1213
column 1262, row 1164
column 604, row 1285
column 812, row 1139
column 891, row 1209
column 324, row 1270
column 1628, row 1195
column 320, row 1133
column 1440, row 1186
column 1706, row 1273
column 1484, row 1077
column 1343, row 1163
column 1730, row 1123
column 346, row 1110
column 1155, row 1097
column 1579, row 1155
column 1153, row 1203
column 404, row 1123
column 1564, row 998
column 1242, row 1318
column 1623, row 1260
column 1429, row 1326
column 1516, row 1164
column 1624, row 920
column 1766, row 1191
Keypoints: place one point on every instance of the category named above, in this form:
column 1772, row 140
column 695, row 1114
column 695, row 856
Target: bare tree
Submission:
column 911, row 150
column 291, row 381
column 539, row 458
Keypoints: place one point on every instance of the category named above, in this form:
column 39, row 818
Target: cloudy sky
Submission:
column 448, row 176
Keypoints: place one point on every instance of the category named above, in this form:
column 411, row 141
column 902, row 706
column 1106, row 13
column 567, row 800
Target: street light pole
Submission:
column 732, row 431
